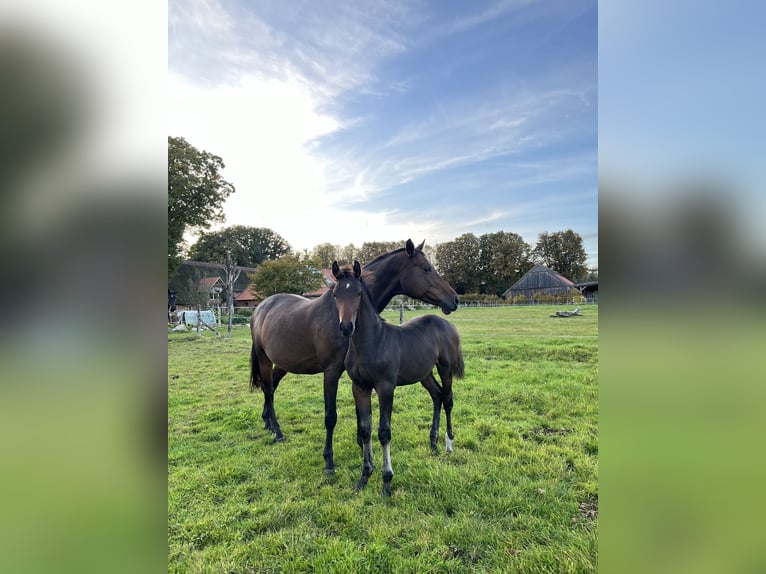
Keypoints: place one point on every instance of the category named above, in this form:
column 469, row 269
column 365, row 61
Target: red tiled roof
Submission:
column 248, row 295
column 329, row 282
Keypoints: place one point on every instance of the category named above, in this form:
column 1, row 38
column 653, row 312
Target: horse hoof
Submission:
column 329, row 471
column 386, row 490
column 279, row 439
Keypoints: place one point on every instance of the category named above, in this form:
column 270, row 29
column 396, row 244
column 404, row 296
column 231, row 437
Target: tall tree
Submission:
column 563, row 252
column 326, row 253
column 288, row 274
column 504, row 258
column 249, row 246
column 196, row 193
column 458, row 263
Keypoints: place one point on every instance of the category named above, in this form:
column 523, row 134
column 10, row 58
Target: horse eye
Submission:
column 428, row 269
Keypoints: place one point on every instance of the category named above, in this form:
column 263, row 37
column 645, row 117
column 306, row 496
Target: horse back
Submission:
column 428, row 340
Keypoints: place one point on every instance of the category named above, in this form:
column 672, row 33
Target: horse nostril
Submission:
column 346, row 329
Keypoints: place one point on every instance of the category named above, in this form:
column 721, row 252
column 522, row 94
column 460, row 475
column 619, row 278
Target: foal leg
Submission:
column 386, row 400
column 363, row 400
column 435, row 391
column 330, row 416
column 446, row 376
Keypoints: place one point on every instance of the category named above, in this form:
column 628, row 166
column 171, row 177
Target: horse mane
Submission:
column 383, row 256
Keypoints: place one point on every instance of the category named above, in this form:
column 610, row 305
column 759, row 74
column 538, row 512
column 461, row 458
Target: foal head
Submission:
column 347, row 294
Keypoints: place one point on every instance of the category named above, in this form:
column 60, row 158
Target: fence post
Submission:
column 199, row 318
column 401, row 312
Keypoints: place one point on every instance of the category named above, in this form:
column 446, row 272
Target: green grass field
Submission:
column 518, row 494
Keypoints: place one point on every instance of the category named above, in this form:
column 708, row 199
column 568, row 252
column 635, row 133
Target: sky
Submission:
column 347, row 122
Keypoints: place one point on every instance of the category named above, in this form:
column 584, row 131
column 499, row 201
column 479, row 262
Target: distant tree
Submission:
column 326, row 253
column 504, row 257
column 185, row 283
column 196, row 194
column 592, row 274
column 563, row 252
column 249, row 246
column 429, row 251
column 458, row 263
column 347, row 254
column 289, row 274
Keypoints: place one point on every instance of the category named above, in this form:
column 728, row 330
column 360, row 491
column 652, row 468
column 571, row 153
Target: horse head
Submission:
column 421, row 281
column 347, row 294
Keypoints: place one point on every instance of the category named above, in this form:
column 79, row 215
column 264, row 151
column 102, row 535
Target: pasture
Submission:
column 518, row 494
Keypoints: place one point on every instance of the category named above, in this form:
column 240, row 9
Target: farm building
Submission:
column 589, row 290
column 247, row 299
column 213, row 286
column 541, row 284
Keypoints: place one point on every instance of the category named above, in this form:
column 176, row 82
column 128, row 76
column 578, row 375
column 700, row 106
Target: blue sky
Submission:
column 381, row 120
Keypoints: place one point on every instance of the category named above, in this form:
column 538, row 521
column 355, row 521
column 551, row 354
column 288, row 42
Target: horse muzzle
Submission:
column 448, row 306
column 346, row 328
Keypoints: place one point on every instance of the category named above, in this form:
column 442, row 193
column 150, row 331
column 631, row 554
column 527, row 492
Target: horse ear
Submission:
column 335, row 270
column 420, row 247
column 357, row 269
column 410, row 247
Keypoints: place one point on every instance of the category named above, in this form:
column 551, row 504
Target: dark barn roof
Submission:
column 540, row 280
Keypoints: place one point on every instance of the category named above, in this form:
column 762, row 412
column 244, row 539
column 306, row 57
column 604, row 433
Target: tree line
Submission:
column 489, row 263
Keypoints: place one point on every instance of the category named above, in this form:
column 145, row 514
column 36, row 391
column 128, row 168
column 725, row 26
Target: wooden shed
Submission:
column 541, row 284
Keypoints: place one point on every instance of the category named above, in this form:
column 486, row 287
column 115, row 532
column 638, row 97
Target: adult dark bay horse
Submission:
column 292, row 334
column 382, row 356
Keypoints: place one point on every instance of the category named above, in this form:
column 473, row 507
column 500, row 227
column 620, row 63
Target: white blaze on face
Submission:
column 348, row 285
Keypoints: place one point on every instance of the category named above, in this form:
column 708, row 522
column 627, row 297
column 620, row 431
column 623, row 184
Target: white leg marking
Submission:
column 447, row 443
column 387, row 459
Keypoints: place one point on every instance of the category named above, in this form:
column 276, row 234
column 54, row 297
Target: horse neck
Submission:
column 382, row 280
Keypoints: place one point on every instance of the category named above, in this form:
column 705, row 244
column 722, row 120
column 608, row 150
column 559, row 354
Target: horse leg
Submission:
column 330, row 417
column 269, row 415
column 276, row 375
column 435, row 391
column 446, row 376
column 363, row 401
column 386, row 400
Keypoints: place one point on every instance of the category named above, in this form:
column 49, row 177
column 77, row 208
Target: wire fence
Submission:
column 216, row 317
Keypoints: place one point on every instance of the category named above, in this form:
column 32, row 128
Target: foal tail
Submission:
column 255, row 370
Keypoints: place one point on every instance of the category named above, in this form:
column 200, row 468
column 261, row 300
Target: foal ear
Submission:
column 357, row 269
column 335, row 270
column 420, row 247
column 410, row 247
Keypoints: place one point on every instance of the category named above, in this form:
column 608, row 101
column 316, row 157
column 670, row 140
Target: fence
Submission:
column 213, row 317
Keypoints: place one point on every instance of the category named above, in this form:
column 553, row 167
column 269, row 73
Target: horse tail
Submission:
column 458, row 369
column 255, row 370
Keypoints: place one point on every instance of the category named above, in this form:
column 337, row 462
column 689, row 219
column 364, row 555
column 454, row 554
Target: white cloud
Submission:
column 260, row 129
